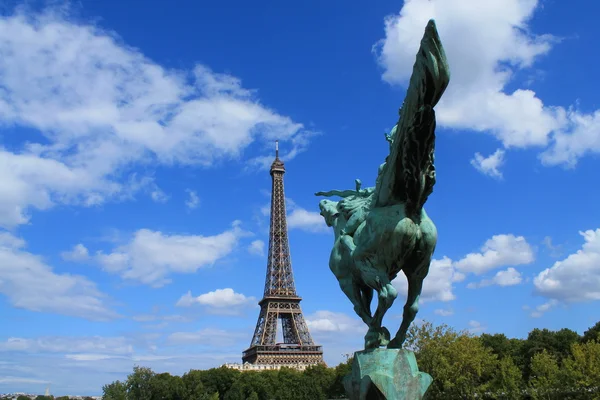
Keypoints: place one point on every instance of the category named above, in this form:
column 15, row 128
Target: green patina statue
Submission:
column 383, row 230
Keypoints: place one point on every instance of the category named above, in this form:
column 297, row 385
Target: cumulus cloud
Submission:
column 302, row 219
column 508, row 277
column 500, row 250
column 221, row 301
column 489, row 165
column 193, row 200
column 101, row 107
column 30, row 284
column 540, row 310
column 487, row 43
column 299, row 218
column 333, row 322
column 577, row 277
column 150, row 256
column 257, row 247
column 78, row 254
column 438, row 285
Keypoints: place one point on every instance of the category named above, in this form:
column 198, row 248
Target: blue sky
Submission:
column 135, row 137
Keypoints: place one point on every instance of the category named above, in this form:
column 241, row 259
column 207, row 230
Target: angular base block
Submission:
column 386, row 374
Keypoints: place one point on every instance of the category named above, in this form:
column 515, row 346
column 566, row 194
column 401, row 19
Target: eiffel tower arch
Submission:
column 280, row 302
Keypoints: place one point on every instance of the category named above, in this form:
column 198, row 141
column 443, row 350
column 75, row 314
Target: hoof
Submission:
column 395, row 343
column 377, row 337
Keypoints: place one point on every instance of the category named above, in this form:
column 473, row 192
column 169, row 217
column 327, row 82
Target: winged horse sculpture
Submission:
column 383, row 230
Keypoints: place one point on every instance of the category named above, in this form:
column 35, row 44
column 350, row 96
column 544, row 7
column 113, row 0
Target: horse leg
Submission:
column 351, row 291
column 366, row 297
column 386, row 294
column 415, row 284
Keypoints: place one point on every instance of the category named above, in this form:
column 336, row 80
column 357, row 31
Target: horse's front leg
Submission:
column 411, row 308
column 386, row 294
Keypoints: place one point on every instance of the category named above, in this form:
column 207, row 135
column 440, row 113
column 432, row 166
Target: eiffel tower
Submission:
column 280, row 301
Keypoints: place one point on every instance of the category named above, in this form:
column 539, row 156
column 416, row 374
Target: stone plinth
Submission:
column 386, row 374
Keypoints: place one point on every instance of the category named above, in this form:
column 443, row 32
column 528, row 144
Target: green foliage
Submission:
column 167, row 387
column 592, row 334
column 336, row 391
column 556, row 343
column 461, row 365
column 507, row 379
column 21, row 397
column 544, row 376
column 139, row 384
column 547, row 365
column 582, row 368
column 114, row 391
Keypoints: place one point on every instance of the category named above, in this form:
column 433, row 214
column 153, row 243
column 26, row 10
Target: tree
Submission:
column 167, row 387
column 592, row 334
column 114, row 391
column 194, row 388
column 138, row 384
column 582, row 369
column 504, row 347
column 21, row 397
column 462, row 367
column 507, row 380
column 336, row 390
column 321, row 379
column 218, row 379
column 545, row 380
column 556, row 343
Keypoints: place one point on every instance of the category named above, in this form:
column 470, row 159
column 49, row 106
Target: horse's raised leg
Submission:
column 411, row 308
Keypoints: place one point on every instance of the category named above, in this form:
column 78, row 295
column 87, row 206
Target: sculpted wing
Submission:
column 409, row 175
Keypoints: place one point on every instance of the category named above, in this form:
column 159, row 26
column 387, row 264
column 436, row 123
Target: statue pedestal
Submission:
column 386, row 374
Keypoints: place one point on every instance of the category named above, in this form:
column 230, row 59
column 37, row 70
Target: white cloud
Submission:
column 21, row 380
column 207, row 337
column 30, row 284
column 257, row 247
column 78, row 254
column 489, row 165
column 333, row 322
column 486, row 43
column 509, row 277
column 500, row 250
column 221, row 301
column 299, row 218
column 64, row 344
column 543, row 308
column 159, row 196
column 577, row 277
column 193, row 201
column 100, row 107
column 310, row 221
column 438, row 284
column 444, row 313
column 151, row 256
column 476, row 327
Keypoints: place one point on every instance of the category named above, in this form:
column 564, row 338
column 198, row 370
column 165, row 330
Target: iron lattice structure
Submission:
column 280, row 301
